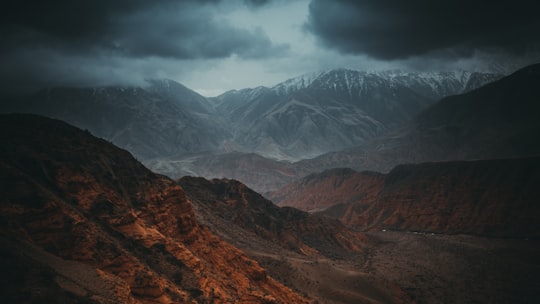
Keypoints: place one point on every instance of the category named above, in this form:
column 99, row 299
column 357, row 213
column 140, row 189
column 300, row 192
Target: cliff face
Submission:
column 82, row 220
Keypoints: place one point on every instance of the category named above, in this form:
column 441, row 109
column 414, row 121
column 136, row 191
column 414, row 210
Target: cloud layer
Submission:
column 217, row 45
column 93, row 34
column 396, row 29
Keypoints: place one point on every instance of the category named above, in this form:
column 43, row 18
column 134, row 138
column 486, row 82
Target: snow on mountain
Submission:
column 299, row 118
column 326, row 111
column 440, row 83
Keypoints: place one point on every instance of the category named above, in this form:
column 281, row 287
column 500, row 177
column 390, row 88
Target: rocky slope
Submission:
column 311, row 253
column 318, row 191
column 491, row 198
column 312, row 114
column 83, row 222
column 498, row 120
column 255, row 171
column 164, row 123
column 328, row 111
column 225, row 203
column 161, row 119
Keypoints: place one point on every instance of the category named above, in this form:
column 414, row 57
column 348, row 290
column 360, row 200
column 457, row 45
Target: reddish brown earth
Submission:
column 496, row 121
column 318, row 191
column 387, row 267
column 225, row 203
column 455, row 268
column 491, row 197
column 83, row 222
column 313, row 254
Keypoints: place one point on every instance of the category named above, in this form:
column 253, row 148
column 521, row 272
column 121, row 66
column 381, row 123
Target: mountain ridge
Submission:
column 101, row 228
column 321, row 112
column 495, row 198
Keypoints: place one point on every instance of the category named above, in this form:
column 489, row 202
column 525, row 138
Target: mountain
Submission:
column 306, row 116
column 328, row 111
column 311, row 253
column 319, row 191
column 496, row 198
column 223, row 203
column 255, row 171
column 498, row 120
column 83, row 222
column 164, row 118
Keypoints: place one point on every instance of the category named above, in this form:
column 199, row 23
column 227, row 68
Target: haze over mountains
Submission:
column 300, row 118
column 329, row 111
column 370, row 121
column 494, row 121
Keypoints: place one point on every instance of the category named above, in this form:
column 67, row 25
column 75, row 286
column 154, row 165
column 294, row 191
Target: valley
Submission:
column 435, row 203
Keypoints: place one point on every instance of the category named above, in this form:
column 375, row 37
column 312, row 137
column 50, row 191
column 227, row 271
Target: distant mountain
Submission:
column 83, row 222
column 164, row 123
column 498, row 120
column 255, row 171
column 161, row 119
column 490, row 197
column 329, row 111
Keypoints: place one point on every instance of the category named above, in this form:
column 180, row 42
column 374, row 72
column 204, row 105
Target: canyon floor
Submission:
column 408, row 267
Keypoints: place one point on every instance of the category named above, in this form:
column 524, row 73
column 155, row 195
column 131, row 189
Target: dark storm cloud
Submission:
column 177, row 29
column 67, row 42
column 256, row 3
column 397, row 29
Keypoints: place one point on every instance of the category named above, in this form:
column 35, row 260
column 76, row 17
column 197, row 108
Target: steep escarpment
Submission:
column 81, row 220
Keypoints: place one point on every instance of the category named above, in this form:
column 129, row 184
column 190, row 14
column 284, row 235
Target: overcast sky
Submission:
column 213, row 46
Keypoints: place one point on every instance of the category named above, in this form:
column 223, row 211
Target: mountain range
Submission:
column 82, row 221
column 317, row 113
column 297, row 119
column 497, row 120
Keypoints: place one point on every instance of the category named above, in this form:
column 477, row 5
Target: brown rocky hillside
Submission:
column 82, row 221
column 316, row 192
column 489, row 197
